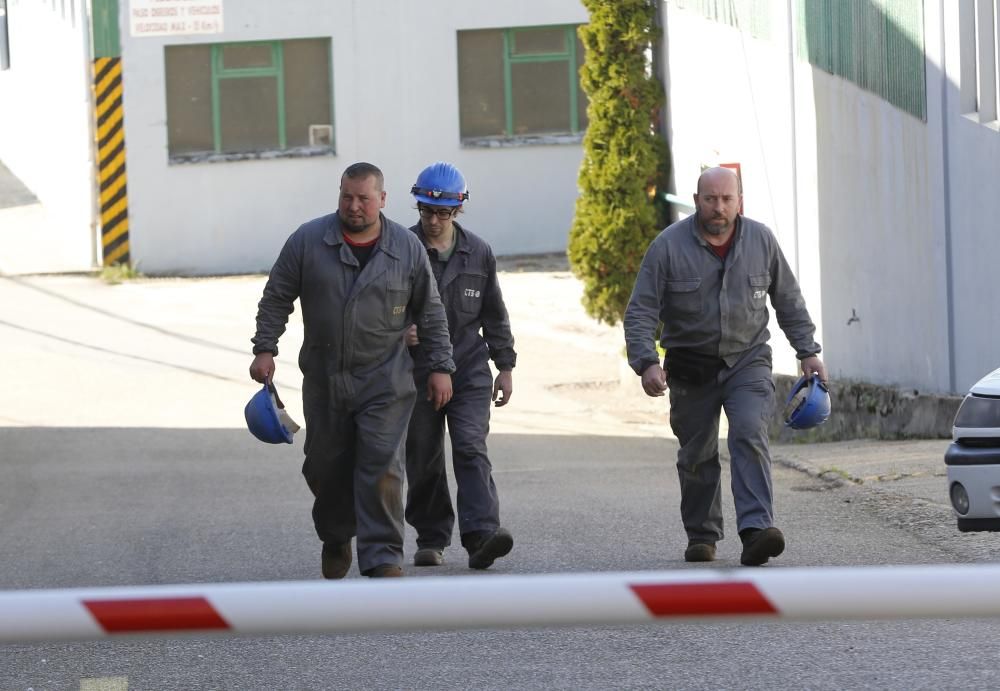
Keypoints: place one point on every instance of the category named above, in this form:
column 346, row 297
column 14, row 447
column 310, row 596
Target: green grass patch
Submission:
column 119, row 273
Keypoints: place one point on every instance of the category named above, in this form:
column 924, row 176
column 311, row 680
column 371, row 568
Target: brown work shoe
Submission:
column 385, row 571
column 700, row 551
column 428, row 556
column 336, row 559
column 760, row 545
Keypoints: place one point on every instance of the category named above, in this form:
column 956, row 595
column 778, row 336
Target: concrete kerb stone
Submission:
column 860, row 411
column 869, row 411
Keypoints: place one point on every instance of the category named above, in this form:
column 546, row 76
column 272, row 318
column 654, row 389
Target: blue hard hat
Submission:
column 261, row 413
column 808, row 404
column 441, row 184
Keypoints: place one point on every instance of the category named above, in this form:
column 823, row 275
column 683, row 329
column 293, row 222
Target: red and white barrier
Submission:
column 497, row 601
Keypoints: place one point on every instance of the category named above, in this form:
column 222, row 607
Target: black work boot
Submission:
column 484, row 549
column 700, row 550
column 760, row 545
column 336, row 559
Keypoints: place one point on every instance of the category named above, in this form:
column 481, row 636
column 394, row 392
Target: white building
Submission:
column 240, row 115
column 867, row 137
column 866, row 132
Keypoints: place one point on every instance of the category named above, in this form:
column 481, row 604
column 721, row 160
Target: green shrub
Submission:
column 624, row 159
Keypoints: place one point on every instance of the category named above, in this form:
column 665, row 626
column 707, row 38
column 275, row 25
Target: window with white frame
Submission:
column 242, row 100
column 520, row 83
column 978, row 90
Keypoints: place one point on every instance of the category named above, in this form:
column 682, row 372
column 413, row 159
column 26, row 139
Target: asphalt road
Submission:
column 125, row 462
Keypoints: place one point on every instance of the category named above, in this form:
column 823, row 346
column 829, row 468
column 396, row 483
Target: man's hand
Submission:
column 439, row 389
column 813, row 365
column 503, row 384
column 262, row 367
column 654, row 381
column 410, row 338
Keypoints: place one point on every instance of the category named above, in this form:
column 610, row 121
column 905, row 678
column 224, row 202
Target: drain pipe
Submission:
column 86, row 14
column 949, row 270
column 794, row 132
column 4, row 41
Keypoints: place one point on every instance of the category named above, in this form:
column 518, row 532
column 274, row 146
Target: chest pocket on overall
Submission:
column 470, row 289
column 758, row 291
column 397, row 298
column 683, row 295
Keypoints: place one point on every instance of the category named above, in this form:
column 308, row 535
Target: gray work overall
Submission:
column 746, row 393
column 358, row 388
column 471, row 295
column 715, row 310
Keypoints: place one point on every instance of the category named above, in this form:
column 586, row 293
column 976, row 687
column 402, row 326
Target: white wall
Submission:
column 881, row 239
column 45, row 138
column 974, row 180
column 395, row 105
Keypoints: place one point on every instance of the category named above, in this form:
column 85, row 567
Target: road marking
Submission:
column 104, row 684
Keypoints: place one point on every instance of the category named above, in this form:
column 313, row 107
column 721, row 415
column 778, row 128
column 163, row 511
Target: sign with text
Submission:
column 175, row 17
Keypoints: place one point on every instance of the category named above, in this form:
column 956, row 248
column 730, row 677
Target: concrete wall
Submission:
column 45, row 138
column 395, row 81
column 881, row 220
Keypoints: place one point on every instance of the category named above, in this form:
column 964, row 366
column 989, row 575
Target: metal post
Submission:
column 4, row 40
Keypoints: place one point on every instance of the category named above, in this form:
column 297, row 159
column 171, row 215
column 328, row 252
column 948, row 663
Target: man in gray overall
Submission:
column 706, row 279
column 466, row 275
column 361, row 279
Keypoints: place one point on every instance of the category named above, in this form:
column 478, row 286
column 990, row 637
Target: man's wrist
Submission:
column 646, row 365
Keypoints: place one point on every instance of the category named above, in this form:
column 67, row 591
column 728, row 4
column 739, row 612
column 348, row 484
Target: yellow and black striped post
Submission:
column 111, row 178
column 108, row 107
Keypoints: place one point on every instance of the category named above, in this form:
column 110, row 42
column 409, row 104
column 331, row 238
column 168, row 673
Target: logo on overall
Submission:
column 471, row 293
column 398, row 309
column 758, row 294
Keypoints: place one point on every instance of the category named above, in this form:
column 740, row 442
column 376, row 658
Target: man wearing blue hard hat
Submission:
column 466, row 274
column 707, row 278
column 361, row 280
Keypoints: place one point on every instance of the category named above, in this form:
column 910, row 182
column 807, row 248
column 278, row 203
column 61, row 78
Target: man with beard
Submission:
column 706, row 280
column 360, row 279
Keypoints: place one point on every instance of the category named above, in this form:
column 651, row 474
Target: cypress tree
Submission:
column 618, row 212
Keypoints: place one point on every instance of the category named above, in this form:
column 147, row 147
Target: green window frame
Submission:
column 249, row 99
column 220, row 73
column 511, row 57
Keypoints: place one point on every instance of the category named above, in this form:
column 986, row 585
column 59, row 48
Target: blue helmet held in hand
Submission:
column 808, row 404
column 264, row 417
column 441, row 184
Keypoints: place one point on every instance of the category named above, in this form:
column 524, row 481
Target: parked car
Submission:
column 973, row 457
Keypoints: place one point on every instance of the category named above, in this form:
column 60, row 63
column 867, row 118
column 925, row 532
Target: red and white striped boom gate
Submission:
column 499, row 601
